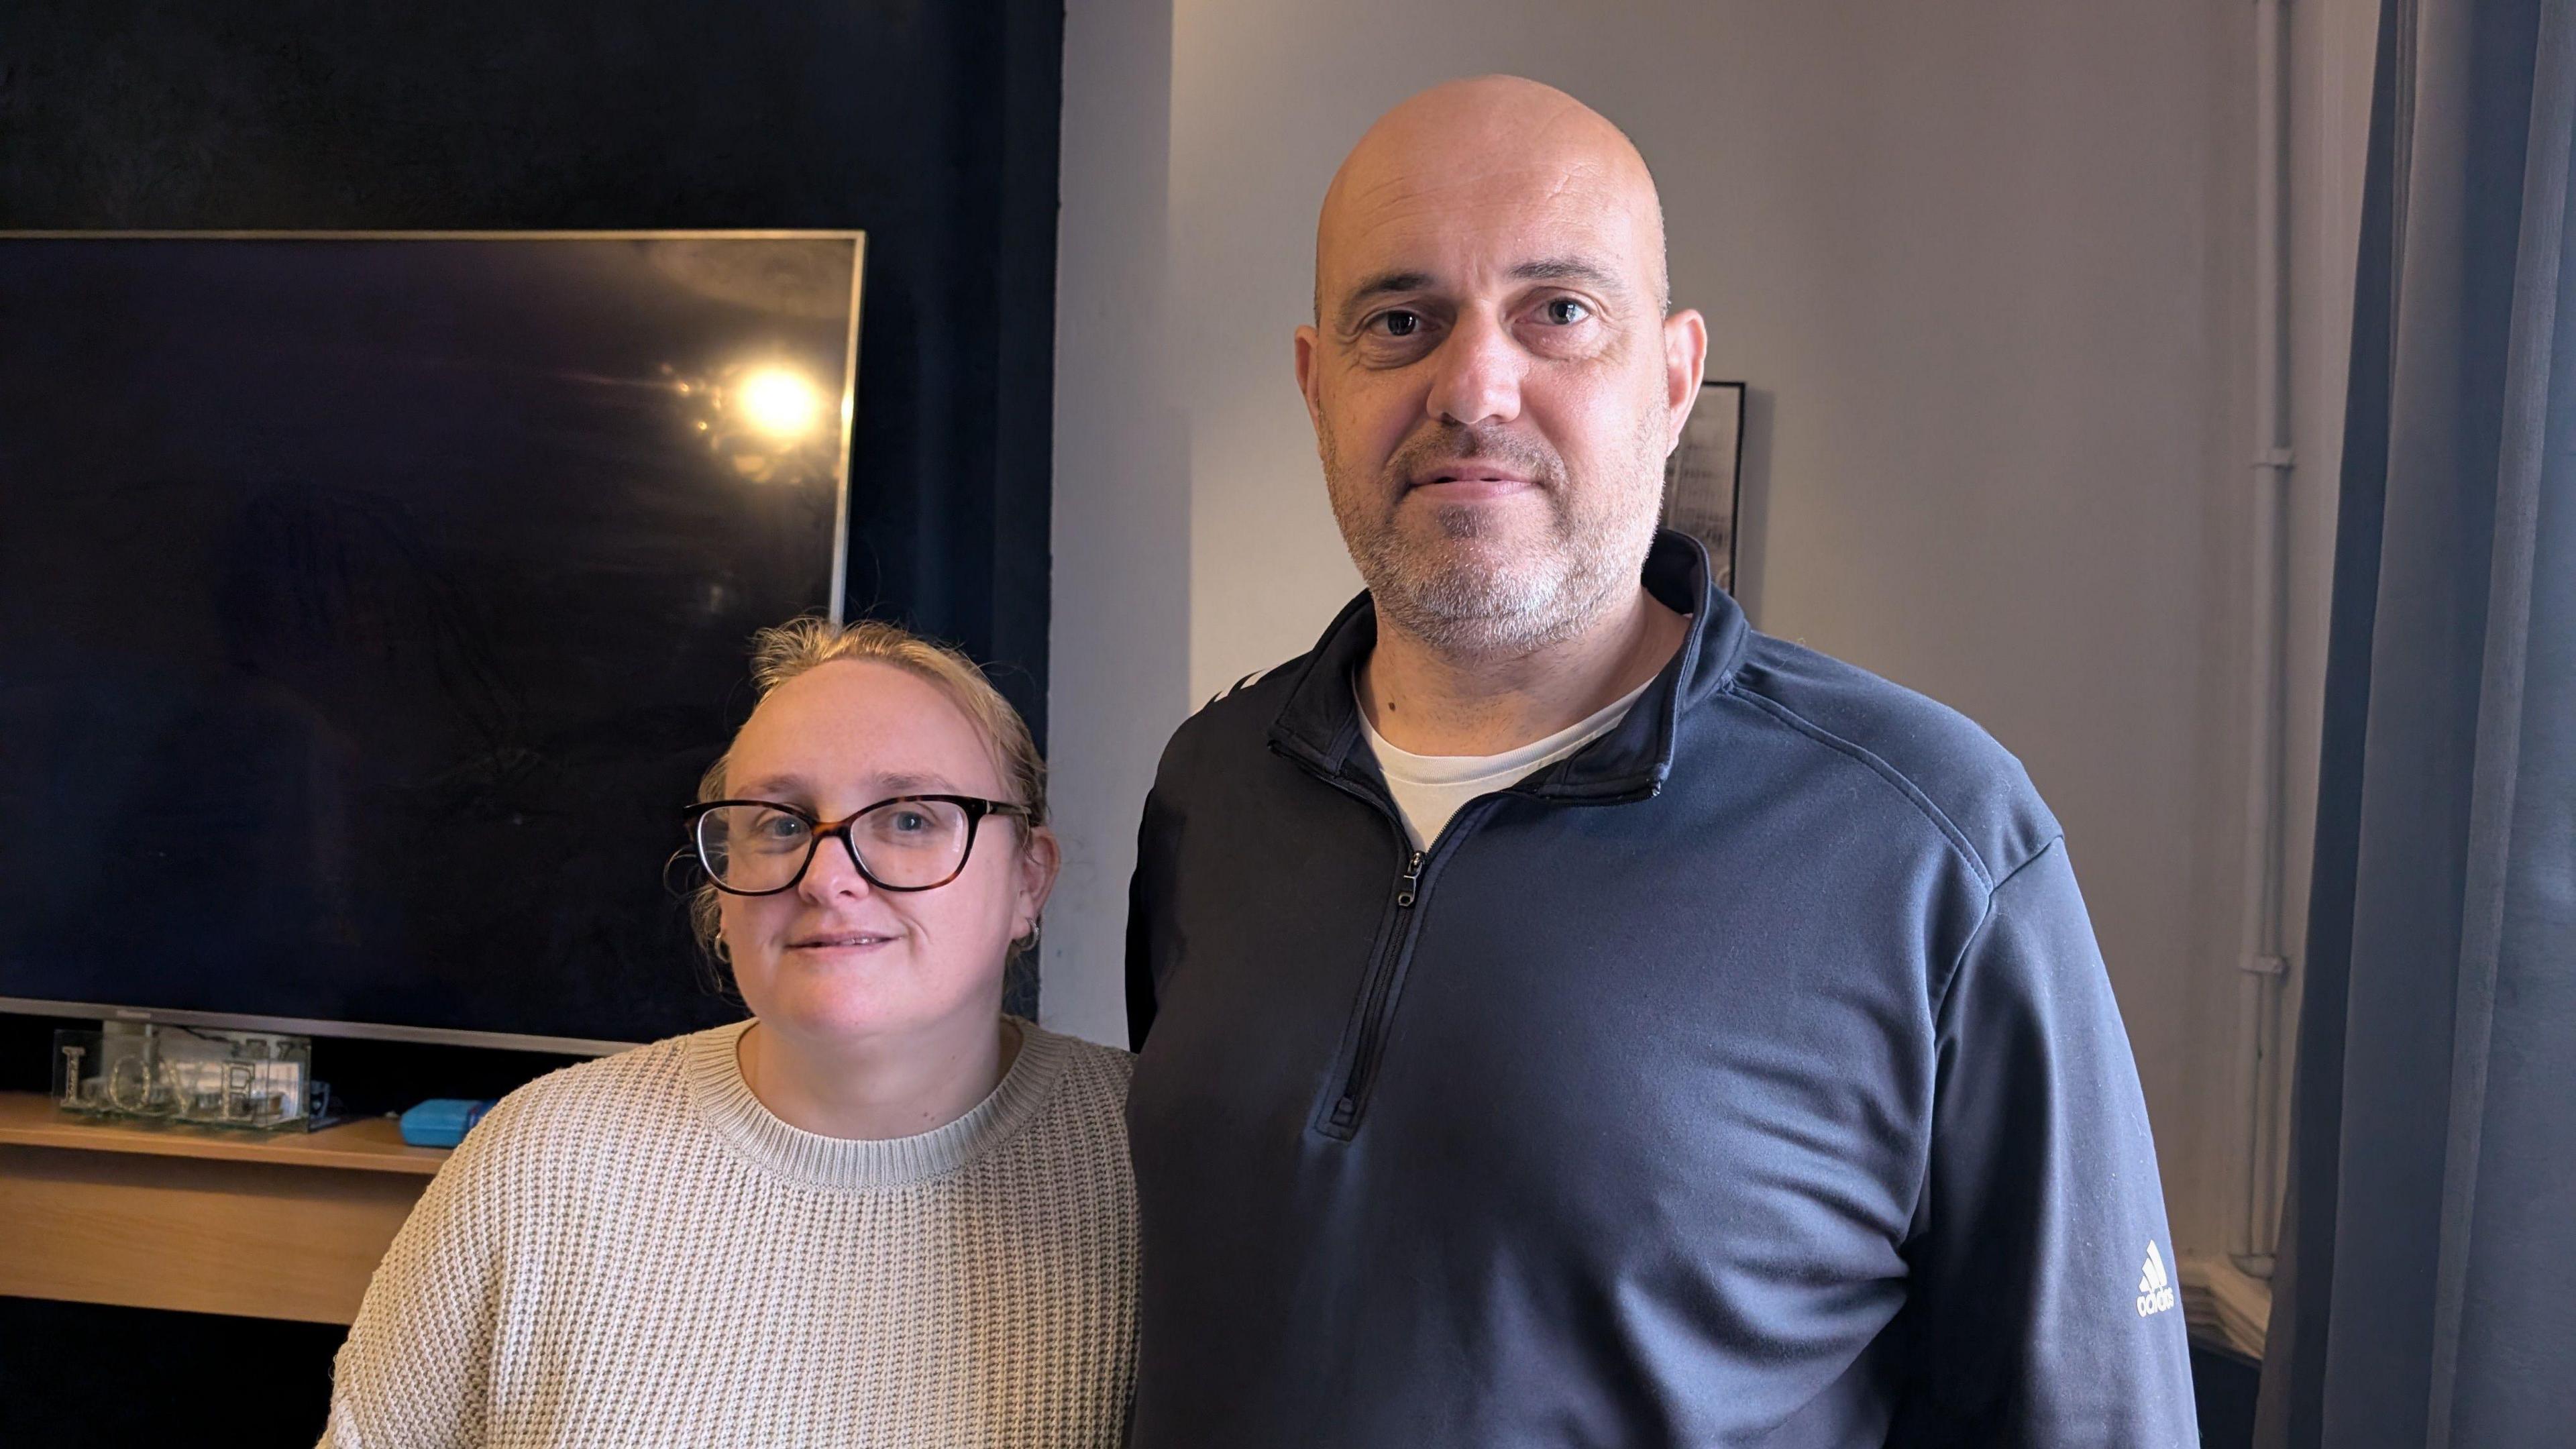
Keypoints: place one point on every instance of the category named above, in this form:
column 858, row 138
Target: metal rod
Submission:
column 2262, row 958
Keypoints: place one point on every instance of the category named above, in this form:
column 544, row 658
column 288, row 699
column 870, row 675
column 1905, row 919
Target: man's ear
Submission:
column 1310, row 371
column 1685, row 364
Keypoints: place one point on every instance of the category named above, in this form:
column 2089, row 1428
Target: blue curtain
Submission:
column 2426, row 1291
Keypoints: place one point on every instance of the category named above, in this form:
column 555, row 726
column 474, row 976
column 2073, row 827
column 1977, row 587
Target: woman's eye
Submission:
column 1565, row 311
column 910, row 822
column 779, row 828
column 1397, row 324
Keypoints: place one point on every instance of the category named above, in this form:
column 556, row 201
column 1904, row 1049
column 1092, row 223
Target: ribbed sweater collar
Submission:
column 721, row 1096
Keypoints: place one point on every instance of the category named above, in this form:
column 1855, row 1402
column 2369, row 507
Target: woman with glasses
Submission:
column 878, row 1211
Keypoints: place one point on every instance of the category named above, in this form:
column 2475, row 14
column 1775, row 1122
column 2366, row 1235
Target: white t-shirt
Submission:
column 1428, row 789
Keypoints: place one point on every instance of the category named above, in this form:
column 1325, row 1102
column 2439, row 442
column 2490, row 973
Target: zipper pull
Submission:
column 1412, row 876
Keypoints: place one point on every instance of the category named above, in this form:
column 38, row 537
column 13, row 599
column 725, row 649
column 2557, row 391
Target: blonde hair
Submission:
column 781, row 653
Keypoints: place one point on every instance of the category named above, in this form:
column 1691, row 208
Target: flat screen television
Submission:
column 370, row 605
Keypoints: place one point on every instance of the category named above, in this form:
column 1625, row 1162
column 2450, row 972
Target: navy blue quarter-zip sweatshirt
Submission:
column 1749, row 1077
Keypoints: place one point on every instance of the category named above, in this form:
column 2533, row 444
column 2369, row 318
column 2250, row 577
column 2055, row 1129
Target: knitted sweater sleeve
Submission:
column 416, row 1369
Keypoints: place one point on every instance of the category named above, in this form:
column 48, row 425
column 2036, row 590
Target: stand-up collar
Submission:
column 1320, row 723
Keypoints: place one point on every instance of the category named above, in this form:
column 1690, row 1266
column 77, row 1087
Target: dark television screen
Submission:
column 369, row 607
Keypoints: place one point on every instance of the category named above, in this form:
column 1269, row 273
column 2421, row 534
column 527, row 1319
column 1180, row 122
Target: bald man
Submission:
column 1568, row 1016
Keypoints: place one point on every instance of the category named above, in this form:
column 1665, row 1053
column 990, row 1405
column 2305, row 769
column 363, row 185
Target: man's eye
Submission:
column 1397, row 324
column 1565, row 311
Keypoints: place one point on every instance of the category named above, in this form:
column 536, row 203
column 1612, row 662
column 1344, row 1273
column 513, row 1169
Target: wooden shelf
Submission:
column 152, row 1215
column 30, row 1119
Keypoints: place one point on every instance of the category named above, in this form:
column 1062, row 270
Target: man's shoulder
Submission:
column 1261, row 693
column 1237, row 718
column 1965, row 782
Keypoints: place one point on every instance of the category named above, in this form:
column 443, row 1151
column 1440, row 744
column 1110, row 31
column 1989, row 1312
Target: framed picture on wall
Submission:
column 1700, row 476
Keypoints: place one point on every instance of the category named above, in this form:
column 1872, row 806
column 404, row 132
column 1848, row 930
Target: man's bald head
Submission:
column 1490, row 145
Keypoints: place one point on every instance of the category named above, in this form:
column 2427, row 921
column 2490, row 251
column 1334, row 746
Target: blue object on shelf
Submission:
column 441, row 1121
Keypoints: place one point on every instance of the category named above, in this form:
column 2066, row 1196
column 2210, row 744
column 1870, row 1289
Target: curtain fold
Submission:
column 2426, row 1290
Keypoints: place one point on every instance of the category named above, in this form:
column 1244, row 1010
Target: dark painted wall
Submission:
column 931, row 125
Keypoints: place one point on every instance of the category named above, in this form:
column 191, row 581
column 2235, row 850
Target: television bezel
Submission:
column 461, row 1036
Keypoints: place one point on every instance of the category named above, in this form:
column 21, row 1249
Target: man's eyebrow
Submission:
column 1568, row 269
column 1384, row 284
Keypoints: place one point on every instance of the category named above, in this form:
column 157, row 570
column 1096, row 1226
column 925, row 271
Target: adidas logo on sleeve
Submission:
column 2155, row 1286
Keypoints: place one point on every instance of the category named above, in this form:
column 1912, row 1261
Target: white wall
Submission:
column 1986, row 270
column 1119, row 642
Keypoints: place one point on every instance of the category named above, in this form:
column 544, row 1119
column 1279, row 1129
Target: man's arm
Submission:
column 2044, row 1307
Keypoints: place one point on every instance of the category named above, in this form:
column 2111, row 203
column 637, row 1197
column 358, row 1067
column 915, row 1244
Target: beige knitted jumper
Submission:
column 634, row 1251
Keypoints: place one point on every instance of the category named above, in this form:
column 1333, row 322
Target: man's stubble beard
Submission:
column 1468, row 592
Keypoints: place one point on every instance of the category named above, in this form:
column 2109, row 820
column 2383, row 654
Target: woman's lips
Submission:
column 839, row 941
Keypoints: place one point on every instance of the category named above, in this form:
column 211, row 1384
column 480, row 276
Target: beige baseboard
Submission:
column 2223, row 1304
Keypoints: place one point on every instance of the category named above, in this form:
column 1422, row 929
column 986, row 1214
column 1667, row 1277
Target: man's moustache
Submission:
column 1428, row 453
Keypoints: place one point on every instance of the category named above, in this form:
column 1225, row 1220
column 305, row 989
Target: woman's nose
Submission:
column 833, row 874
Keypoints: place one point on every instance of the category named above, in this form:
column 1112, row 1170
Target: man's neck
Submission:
column 1428, row 701
column 880, row 1089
